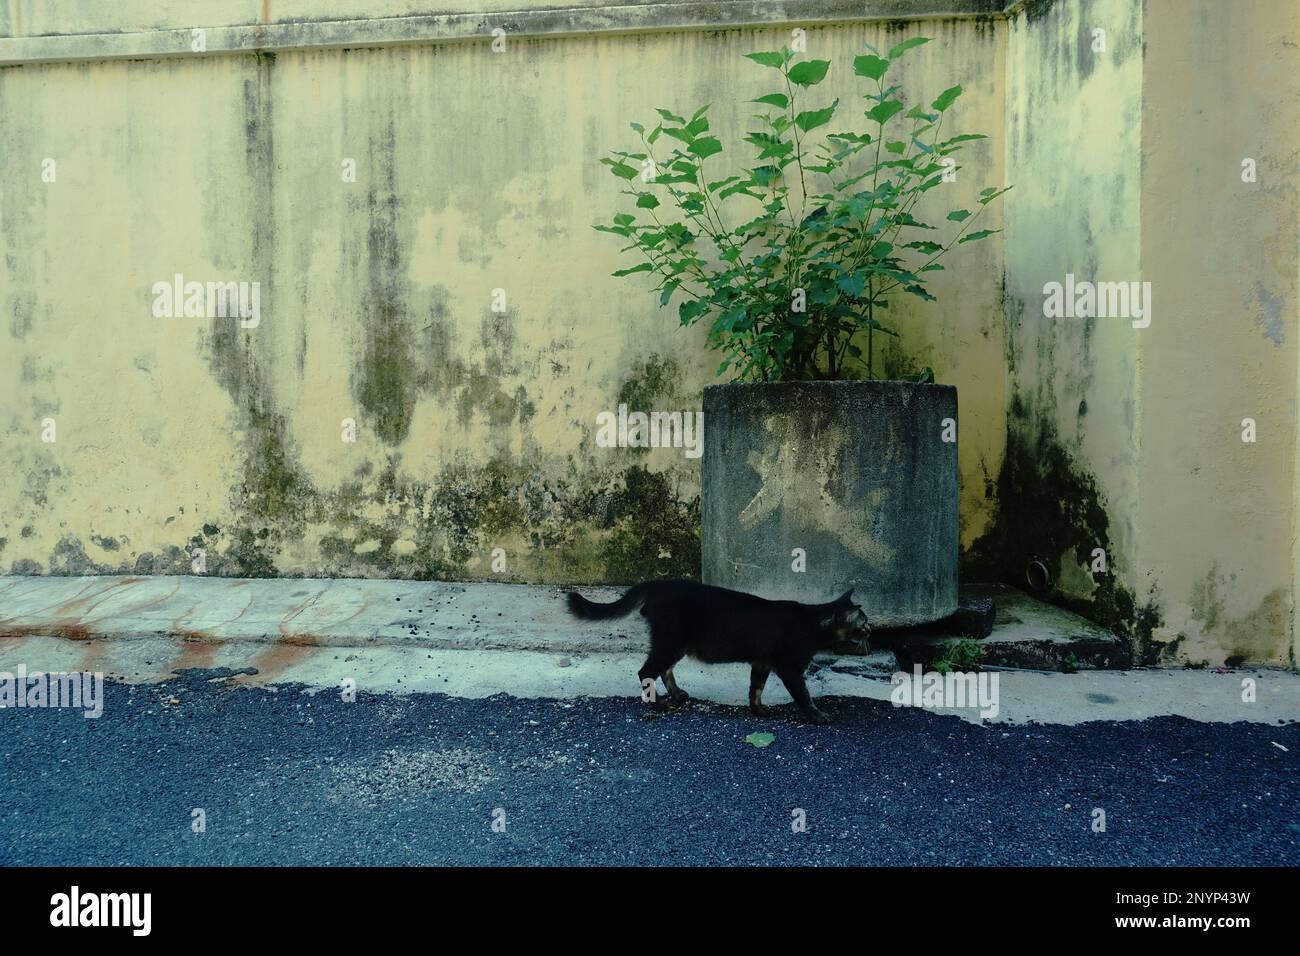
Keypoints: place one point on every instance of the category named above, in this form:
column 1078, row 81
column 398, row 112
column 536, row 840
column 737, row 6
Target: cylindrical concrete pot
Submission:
column 854, row 482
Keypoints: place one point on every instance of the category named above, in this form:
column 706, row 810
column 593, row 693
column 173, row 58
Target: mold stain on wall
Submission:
column 1050, row 509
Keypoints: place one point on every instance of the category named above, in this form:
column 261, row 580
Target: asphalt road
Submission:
column 290, row 777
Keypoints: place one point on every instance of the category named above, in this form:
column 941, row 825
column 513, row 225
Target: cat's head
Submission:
column 846, row 626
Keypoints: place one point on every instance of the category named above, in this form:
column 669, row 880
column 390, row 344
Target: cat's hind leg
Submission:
column 665, row 651
column 659, row 664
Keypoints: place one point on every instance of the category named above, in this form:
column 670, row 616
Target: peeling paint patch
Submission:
column 1270, row 316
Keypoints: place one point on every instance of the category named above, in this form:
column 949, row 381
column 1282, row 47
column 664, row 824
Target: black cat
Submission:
column 716, row 625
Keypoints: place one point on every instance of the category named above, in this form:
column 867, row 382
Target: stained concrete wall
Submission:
column 1128, row 166
column 1068, row 483
column 477, row 171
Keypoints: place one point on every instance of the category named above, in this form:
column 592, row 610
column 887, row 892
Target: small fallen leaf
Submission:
column 759, row 740
column 1278, row 746
column 173, row 701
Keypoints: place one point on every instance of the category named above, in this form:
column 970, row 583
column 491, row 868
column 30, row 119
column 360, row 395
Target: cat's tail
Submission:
column 580, row 607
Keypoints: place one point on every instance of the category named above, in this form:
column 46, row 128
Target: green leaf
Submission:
column 732, row 319
column 697, row 126
column 690, row 310
column 981, row 234
column 881, row 112
column 809, row 120
column 872, row 67
column 620, row 169
column 647, row 201
column 959, row 215
column 667, row 294
column 779, row 100
column 774, row 60
column 946, row 98
column 769, row 145
column 907, row 45
column 853, row 283
column 809, row 72
column 705, row 146
column 671, row 117
column 638, row 127
column 642, row 267
column 624, row 219
column 760, row 740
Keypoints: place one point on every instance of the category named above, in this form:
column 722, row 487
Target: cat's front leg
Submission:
column 794, row 683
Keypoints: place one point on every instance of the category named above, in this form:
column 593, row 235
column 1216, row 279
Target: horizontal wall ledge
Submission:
column 478, row 25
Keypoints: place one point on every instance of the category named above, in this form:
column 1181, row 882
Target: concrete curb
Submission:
column 309, row 612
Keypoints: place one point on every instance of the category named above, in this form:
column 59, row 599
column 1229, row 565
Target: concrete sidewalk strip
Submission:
column 310, row 612
column 402, row 637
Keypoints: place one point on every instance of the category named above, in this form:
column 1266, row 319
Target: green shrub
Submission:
column 788, row 292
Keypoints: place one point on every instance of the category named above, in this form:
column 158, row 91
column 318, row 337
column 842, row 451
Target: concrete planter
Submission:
column 856, row 474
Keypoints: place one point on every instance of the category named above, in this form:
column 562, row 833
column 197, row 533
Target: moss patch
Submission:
column 655, row 379
column 656, row 534
column 1049, row 506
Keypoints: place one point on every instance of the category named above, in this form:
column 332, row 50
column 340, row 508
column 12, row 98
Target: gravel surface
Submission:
column 290, row 777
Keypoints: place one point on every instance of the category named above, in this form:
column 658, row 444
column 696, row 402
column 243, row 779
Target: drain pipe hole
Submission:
column 1037, row 576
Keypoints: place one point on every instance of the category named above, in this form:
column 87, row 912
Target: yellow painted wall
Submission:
column 476, row 171
column 1216, row 531
column 1127, row 164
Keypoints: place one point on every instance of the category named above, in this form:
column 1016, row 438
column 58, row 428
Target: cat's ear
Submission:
column 845, row 598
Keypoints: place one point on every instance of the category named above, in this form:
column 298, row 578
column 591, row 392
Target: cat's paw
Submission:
column 818, row 716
